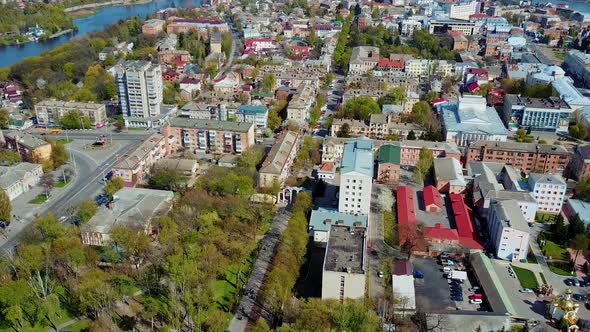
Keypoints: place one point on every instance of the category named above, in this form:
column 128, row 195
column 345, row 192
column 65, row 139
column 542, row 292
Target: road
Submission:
column 235, row 50
column 250, row 307
column 89, row 174
column 535, row 49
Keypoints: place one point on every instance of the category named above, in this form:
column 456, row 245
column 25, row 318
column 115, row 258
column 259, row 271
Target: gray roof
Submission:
column 27, row 140
column 10, row 175
column 524, row 147
column 210, row 124
column 488, row 279
column 471, row 115
column 510, row 215
column 519, row 196
column 139, row 154
column 183, row 165
column 321, row 219
column 449, row 169
column 130, row 206
column 279, row 153
column 358, row 157
column 546, row 178
column 345, row 250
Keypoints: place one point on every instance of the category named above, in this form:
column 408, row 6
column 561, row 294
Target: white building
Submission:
column 549, row 191
column 578, row 64
column 408, row 26
column 363, row 59
column 277, row 164
column 402, row 282
column 471, row 120
column 356, row 174
column 20, row 178
column 321, row 220
column 508, row 230
column 462, row 11
column 343, row 275
column 424, row 67
column 140, row 88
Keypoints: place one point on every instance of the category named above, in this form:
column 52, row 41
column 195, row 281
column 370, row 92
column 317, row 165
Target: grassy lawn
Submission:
column 390, row 235
column 560, row 268
column 545, row 218
column 526, row 277
column 79, row 325
column 60, row 184
column 225, row 289
column 65, row 140
column 555, row 251
column 40, row 199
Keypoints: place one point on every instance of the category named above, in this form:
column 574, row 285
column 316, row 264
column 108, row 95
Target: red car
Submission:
column 476, row 297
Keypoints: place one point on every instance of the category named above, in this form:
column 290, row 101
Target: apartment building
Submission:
column 277, row 164
column 549, row 191
column 140, row 88
column 388, row 169
column 31, row 148
column 471, row 120
column 293, row 75
column 546, row 114
column 383, row 82
column 423, row 67
column 525, row 157
column 462, row 11
column 356, row 174
column 300, row 104
column 50, row 111
column 321, row 220
column 581, row 161
column 343, row 275
column 363, row 59
column 202, row 26
column 153, row 27
column 578, row 65
column 448, row 175
column 444, row 26
column 508, row 231
column 134, row 168
column 379, row 126
column 20, row 178
column 208, row 136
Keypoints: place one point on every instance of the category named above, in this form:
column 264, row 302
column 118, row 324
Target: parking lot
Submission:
column 433, row 292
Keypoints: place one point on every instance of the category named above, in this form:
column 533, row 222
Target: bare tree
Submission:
column 47, row 182
column 426, row 322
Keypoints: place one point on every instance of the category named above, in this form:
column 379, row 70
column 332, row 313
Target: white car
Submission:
column 475, row 301
column 474, row 289
column 525, row 290
column 380, row 274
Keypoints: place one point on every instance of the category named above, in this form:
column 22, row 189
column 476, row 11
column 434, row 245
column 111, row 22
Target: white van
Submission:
column 447, row 269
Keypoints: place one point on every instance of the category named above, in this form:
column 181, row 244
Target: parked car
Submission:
column 576, row 282
column 446, row 269
column 476, row 296
column 2, row 224
column 418, row 274
column 525, row 290
column 579, row 297
column 583, row 283
column 476, row 301
column 474, row 289
column 380, row 274
column 568, row 282
column 457, row 298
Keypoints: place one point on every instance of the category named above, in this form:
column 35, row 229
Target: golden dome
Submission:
column 569, row 291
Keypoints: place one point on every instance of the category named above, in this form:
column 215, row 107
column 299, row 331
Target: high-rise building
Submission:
column 356, row 176
column 139, row 85
column 509, row 232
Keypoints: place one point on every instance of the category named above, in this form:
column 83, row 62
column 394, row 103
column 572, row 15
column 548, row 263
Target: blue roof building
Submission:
column 356, row 176
column 322, row 219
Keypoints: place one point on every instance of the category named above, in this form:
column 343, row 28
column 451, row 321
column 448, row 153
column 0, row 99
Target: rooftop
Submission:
column 279, row 153
column 345, row 249
column 542, row 103
column 523, row 147
column 431, row 196
column 25, row 139
column 581, row 208
column 496, row 294
column 140, row 153
column 70, row 104
column 510, row 215
column 210, row 124
column 390, row 154
column 406, row 206
column 449, row 169
column 546, row 178
column 471, row 115
column 321, row 219
column 358, row 157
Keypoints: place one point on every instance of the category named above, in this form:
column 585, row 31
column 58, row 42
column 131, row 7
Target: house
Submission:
column 153, row 27
column 131, row 207
column 321, row 220
column 327, row 171
column 185, row 167
column 31, row 148
column 190, row 85
column 344, row 275
column 509, row 232
column 229, row 83
column 432, row 200
column 356, row 174
column 388, row 170
column 276, row 167
column 19, row 178
column 449, row 175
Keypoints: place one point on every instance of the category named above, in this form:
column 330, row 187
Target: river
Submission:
column 103, row 17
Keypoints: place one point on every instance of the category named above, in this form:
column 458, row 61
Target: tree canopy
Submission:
column 360, row 108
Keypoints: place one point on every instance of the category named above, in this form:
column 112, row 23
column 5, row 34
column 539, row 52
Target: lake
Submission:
column 103, row 17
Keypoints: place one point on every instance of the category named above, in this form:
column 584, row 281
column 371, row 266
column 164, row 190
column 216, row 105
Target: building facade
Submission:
column 546, row 114
column 526, row 157
column 508, row 231
column 356, row 174
column 363, row 59
column 19, row 178
column 139, row 88
column 549, row 191
column 388, row 170
column 208, row 136
column 50, row 111
column 135, row 167
column 277, row 164
column 31, row 148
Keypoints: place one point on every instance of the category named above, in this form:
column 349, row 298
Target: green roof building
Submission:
column 390, row 154
column 388, row 170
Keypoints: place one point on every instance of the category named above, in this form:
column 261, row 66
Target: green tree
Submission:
column 14, row 316
column 86, row 210
column 5, row 207
column 226, row 44
column 73, row 120
column 9, row 157
column 329, row 78
column 575, row 226
column 261, row 326
column 133, row 241
column 113, row 185
column 360, row 108
column 579, row 243
column 4, row 119
column 421, row 112
column 269, row 81
column 166, row 179
column 59, row 155
column 411, row 135
column 344, row 130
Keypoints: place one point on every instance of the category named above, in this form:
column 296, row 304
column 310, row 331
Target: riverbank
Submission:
column 91, row 7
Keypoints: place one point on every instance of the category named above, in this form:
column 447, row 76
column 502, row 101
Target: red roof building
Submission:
column 432, row 199
column 468, row 236
column 441, row 234
column 406, row 207
column 438, row 101
column 389, row 64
